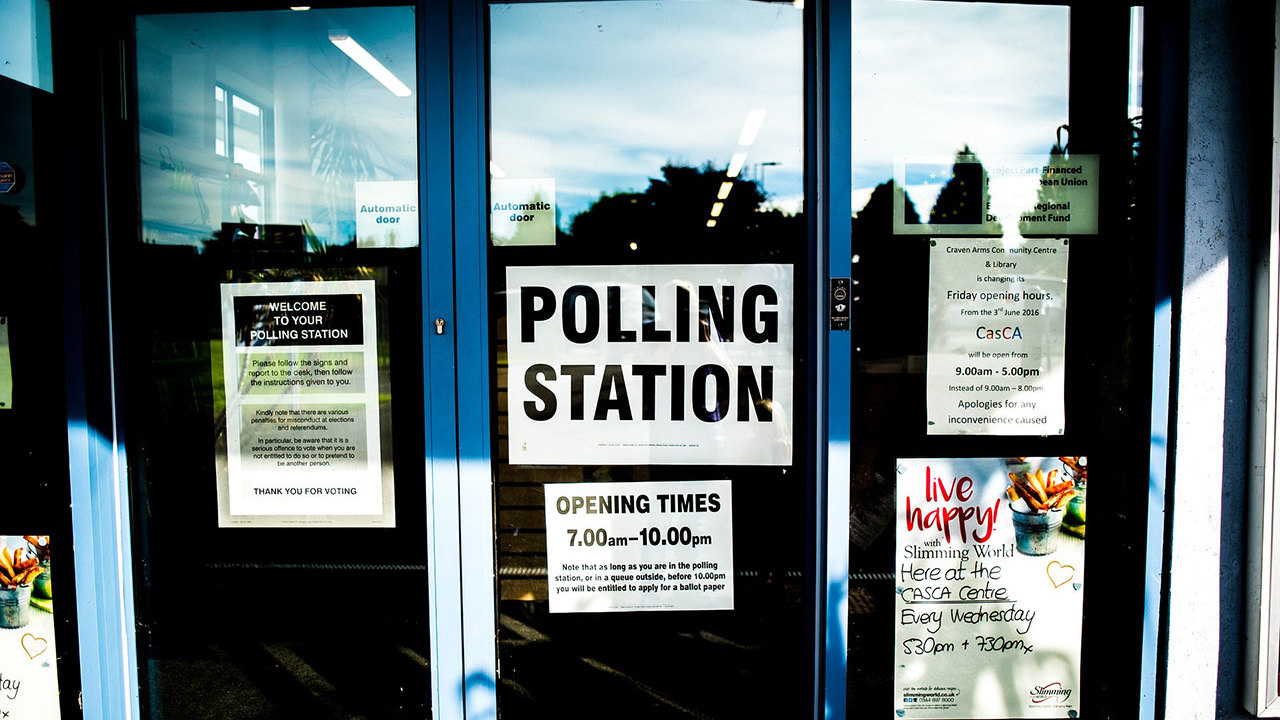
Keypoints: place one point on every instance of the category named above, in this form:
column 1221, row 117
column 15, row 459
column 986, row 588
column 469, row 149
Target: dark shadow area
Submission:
column 34, row 419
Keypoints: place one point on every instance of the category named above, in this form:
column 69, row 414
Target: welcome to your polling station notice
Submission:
column 300, row 370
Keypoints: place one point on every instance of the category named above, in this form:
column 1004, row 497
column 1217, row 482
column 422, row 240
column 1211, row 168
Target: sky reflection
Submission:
column 601, row 95
column 930, row 78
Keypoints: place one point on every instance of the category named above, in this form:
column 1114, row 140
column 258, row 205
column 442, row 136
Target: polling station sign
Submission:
column 650, row 364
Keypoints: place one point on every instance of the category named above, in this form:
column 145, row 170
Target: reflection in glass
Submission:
column 945, row 95
column 649, row 128
column 27, row 52
column 259, row 140
column 263, row 118
column 676, row 84
column 935, row 78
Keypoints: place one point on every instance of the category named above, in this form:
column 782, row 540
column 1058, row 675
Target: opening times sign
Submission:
column 650, row 364
column 989, row 589
column 997, row 336
column 619, row 547
column 300, row 372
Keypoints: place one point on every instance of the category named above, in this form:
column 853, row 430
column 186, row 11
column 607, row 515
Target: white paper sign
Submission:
column 300, row 369
column 1010, row 195
column 989, row 595
column 6, row 367
column 387, row 214
column 620, row 547
column 650, row 364
column 522, row 211
column 997, row 336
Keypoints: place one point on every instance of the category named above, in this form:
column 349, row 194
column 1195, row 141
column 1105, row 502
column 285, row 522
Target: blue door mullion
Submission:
column 835, row 59
column 470, row 163
column 439, row 360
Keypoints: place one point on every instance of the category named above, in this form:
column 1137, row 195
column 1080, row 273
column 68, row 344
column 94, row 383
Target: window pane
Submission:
column 303, row 121
column 219, row 118
column 27, row 52
column 640, row 149
column 277, row 438
column 946, row 97
column 1007, row 97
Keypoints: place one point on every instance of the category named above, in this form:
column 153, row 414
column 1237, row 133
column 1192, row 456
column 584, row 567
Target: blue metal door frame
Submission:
column 475, row 476
column 832, row 58
column 827, row 59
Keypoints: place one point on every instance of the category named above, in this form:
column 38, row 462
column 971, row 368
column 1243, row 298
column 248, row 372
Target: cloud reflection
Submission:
column 930, row 78
column 602, row 95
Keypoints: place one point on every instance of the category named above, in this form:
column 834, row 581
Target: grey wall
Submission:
column 1229, row 92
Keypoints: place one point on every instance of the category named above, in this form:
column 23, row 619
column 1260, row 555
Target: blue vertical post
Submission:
column 470, row 182
column 100, row 517
column 835, row 164
column 97, row 469
column 101, row 537
column 435, row 190
column 1162, row 53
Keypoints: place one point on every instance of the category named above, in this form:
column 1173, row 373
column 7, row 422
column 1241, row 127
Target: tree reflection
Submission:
column 668, row 222
column 883, row 303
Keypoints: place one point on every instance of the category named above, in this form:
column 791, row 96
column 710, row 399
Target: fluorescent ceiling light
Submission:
column 356, row 52
column 715, row 209
column 711, row 223
column 725, row 187
column 735, row 164
column 751, row 127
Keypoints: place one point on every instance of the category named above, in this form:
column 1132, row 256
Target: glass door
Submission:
column 625, row 494
column 647, row 260
column 1004, row 267
column 271, row 308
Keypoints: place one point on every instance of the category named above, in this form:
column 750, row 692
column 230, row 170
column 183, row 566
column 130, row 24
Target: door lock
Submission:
column 839, row 303
column 439, row 326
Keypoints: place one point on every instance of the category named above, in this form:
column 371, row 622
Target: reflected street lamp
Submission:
column 760, row 171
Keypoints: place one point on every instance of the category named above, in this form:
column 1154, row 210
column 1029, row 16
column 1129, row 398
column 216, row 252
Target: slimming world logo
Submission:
column 1053, row 691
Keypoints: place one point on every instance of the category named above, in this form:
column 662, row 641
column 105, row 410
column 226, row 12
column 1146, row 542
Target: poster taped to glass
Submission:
column 990, row 587
column 633, row 546
column 28, row 656
column 305, row 426
column 650, row 364
column 997, row 336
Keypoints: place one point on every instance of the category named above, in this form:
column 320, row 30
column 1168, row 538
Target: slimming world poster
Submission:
column 989, row 576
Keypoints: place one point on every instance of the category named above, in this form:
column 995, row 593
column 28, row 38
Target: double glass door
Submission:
column 563, row 359
column 616, row 509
